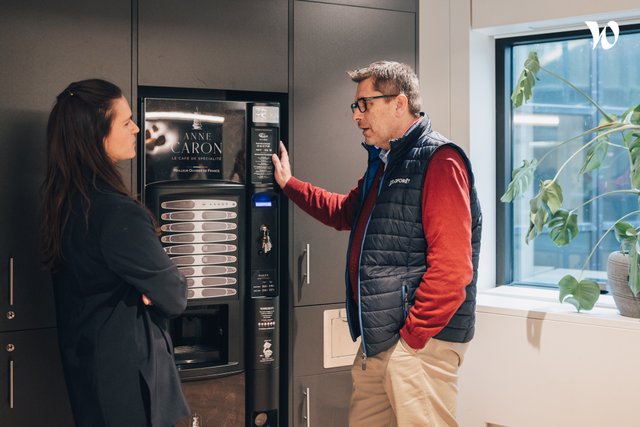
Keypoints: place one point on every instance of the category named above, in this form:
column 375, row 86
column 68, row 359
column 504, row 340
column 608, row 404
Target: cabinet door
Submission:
column 309, row 337
column 328, row 40
column 216, row 44
column 405, row 5
column 32, row 386
column 44, row 48
column 322, row 400
column 329, row 389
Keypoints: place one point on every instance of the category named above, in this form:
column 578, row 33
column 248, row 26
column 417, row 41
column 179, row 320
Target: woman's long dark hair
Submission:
column 78, row 124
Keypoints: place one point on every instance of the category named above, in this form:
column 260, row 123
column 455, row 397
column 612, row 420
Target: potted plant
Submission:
column 547, row 212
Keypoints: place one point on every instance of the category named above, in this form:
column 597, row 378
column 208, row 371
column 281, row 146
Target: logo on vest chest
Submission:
column 399, row 181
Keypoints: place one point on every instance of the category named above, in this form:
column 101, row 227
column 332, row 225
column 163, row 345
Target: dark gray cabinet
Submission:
column 399, row 5
column 44, row 48
column 307, row 337
column 328, row 39
column 318, row 393
column 322, row 400
column 219, row 44
column 32, row 393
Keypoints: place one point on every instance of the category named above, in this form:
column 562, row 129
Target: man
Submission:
column 412, row 260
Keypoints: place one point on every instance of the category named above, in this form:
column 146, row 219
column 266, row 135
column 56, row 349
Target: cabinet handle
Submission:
column 307, row 417
column 307, row 255
column 10, row 384
column 11, row 281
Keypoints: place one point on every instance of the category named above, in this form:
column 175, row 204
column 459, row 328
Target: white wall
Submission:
column 518, row 16
column 522, row 369
column 537, row 363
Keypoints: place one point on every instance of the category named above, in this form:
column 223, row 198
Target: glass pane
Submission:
column 555, row 114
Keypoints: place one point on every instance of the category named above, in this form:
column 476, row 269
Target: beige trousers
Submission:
column 403, row 387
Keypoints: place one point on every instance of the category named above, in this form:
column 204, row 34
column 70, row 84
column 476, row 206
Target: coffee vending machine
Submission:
column 206, row 174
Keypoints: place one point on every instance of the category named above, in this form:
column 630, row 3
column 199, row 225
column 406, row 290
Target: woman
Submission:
column 114, row 285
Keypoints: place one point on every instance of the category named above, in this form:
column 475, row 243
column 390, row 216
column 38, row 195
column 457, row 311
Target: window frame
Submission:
column 504, row 153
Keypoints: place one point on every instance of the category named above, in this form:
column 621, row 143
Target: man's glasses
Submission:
column 361, row 103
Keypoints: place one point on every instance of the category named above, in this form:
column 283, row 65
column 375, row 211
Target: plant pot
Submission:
column 618, row 278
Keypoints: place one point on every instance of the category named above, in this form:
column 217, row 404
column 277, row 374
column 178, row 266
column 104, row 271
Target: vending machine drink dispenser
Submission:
column 206, row 175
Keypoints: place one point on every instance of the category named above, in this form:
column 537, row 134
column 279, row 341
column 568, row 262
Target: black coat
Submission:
column 116, row 352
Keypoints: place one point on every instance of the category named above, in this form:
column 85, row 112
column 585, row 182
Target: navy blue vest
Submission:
column 393, row 257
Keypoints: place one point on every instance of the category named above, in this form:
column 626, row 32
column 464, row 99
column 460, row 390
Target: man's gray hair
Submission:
column 390, row 78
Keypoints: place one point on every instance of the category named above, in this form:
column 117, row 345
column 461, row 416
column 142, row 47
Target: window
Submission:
column 554, row 114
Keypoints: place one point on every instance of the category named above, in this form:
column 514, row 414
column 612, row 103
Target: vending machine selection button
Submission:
column 199, row 204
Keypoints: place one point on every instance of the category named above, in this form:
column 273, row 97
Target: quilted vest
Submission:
column 393, row 257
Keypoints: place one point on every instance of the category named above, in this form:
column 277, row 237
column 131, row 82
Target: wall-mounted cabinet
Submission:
column 43, row 52
column 318, row 393
column 239, row 45
column 322, row 400
column 397, row 5
column 43, row 49
column 329, row 39
column 33, row 391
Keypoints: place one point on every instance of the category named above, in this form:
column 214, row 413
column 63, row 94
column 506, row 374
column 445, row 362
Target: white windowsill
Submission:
column 537, row 303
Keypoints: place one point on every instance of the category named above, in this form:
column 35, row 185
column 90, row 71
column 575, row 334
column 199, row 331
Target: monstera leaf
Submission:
column 632, row 116
column 632, row 142
column 626, row 234
column 538, row 217
column 526, row 80
column 582, row 295
column 629, row 240
column 563, row 227
column 551, row 195
column 595, row 155
column 634, row 274
column 520, row 180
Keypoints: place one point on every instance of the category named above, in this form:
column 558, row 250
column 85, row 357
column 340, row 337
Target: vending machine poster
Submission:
column 194, row 140
column 263, row 145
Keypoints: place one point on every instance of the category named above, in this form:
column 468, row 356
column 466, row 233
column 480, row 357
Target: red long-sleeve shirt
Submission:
column 446, row 219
